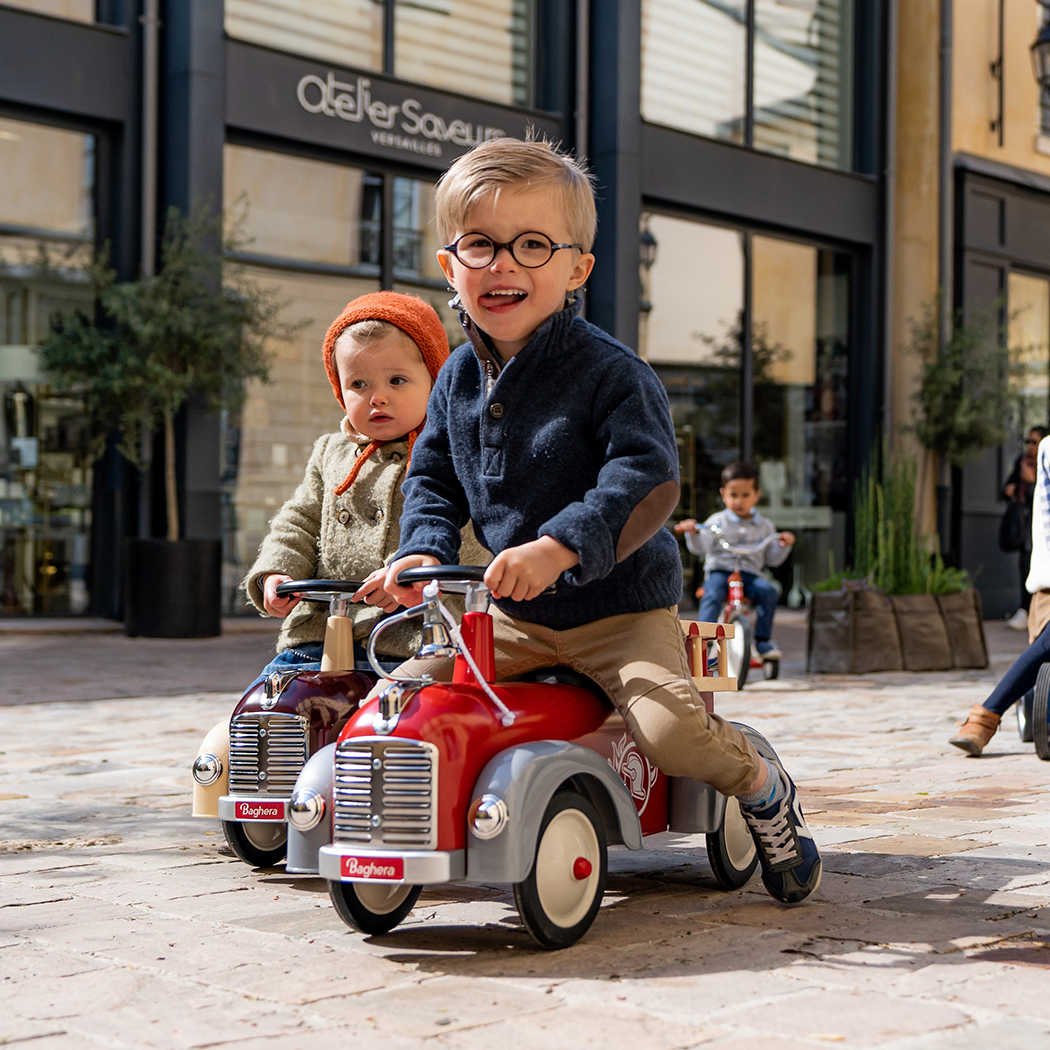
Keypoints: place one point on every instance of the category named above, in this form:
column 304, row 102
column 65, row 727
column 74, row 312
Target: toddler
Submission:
column 382, row 354
column 742, row 526
column 557, row 442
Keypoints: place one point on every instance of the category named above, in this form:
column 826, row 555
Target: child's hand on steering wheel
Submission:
column 411, row 594
column 521, row 573
column 271, row 603
column 373, row 592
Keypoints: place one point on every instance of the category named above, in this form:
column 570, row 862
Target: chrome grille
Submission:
column 267, row 753
column 385, row 794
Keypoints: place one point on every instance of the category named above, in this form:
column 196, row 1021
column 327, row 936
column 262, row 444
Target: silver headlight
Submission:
column 206, row 769
column 487, row 816
column 306, row 809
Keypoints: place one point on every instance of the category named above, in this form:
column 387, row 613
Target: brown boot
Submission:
column 973, row 734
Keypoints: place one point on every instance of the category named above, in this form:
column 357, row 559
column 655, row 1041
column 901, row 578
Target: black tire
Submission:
column 771, row 669
column 556, row 905
column 260, row 845
column 1024, row 718
column 731, row 849
column 1039, row 714
column 373, row 908
column 741, row 648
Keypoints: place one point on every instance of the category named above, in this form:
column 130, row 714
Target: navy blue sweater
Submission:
column 574, row 441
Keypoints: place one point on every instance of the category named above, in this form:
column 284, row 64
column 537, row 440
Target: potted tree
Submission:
column 195, row 329
column 899, row 607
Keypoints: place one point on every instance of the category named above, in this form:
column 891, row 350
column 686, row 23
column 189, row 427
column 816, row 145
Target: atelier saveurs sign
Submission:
column 280, row 94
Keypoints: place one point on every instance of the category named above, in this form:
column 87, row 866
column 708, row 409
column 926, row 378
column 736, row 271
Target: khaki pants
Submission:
column 639, row 660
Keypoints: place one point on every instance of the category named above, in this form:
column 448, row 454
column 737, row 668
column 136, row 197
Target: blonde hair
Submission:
column 512, row 164
column 371, row 330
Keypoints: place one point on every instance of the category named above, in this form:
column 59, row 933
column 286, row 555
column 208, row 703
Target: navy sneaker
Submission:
column 790, row 862
column 768, row 650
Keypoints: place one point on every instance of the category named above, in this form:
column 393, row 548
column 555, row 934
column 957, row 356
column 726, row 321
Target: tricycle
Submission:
column 523, row 782
column 247, row 765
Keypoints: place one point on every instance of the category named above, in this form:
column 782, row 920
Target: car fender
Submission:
column 526, row 777
column 217, row 743
column 319, row 775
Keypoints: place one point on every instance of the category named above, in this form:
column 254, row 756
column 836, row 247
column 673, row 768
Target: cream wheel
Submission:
column 261, row 844
column 373, row 907
column 562, row 893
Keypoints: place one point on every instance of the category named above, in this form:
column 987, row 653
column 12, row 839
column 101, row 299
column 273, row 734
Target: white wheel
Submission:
column 738, row 649
column 566, row 897
column 373, row 908
column 562, row 893
column 262, row 845
column 1024, row 722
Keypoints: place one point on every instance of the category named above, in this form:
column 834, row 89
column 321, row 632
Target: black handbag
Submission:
column 1012, row 527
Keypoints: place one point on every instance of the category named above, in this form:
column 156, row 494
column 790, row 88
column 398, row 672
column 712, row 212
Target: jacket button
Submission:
column 378, row 516
column 343, row 516
column 496, row 410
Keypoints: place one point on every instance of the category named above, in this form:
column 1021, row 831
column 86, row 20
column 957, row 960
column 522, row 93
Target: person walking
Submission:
column 982, row 723
column 1020, row 489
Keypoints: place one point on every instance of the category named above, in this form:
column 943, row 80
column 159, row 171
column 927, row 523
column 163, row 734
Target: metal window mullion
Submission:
column 389, row 29
column 747, row 363
column 749, row 77
column 386, row 236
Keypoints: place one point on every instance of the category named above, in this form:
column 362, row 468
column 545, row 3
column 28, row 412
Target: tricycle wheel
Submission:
column 739, row 648
column 731, row 850
column 373, row 907
column 561, row 895
column 771, row 669
column 262, row 845
column 1024, row 717
column 1040, row 729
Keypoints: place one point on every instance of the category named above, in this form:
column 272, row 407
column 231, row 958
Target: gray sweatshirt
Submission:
column 740, row 532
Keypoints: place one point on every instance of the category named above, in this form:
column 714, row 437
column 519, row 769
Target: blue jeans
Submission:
column 757, row 590
column 306, row 657
column 1021, row 677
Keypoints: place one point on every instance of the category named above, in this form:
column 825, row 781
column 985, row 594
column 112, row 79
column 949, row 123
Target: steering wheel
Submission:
column 320, row 591
column 454, row 579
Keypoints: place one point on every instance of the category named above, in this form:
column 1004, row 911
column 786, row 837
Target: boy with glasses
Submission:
column 557, row 442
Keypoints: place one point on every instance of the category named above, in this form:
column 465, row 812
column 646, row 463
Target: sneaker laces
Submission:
column 776, row 834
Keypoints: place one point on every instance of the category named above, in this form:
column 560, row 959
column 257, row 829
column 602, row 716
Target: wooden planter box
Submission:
column 853, row 632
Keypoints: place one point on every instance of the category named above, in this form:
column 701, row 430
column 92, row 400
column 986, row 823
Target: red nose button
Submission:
column 581, row 869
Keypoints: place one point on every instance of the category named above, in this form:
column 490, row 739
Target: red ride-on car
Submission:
column 247, row 765
column 524, row 782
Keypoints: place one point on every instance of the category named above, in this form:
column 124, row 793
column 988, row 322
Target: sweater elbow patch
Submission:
column 647, row 518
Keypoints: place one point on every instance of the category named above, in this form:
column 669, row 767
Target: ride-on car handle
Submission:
column 338, row 654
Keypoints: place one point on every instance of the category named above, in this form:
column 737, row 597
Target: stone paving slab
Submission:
column 122, row 924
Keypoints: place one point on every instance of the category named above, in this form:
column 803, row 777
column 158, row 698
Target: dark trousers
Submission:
column 757, row 590
column 1021, row 677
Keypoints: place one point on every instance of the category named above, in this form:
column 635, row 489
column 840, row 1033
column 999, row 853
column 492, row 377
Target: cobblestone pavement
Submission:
column 123, row 925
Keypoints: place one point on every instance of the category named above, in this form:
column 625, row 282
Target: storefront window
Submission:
column 347, row 32
column 694, row 60
column 476, row 47
column 481, row 48
column 75, row 10
column 46, row 232
column 803, row 77
column 691, row 337
column 798, row 318
column 800, row 342
column 1028, row 334
column 694, row 73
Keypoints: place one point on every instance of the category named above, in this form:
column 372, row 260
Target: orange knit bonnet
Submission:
column 417, row 319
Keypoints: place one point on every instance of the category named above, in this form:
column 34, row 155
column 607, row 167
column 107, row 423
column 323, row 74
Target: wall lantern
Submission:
column 1041, row 51
column 647, row 242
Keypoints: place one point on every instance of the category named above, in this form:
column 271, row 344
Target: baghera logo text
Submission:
column 353, row 101
column 370, row 868
column 260, row 811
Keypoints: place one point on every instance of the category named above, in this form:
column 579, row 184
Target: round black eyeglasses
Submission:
column 531, row 250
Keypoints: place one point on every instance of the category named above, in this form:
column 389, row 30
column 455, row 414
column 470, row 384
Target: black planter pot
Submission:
column 173, row 589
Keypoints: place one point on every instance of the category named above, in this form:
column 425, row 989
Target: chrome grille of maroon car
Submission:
column 267, row 753
column 385, row 794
